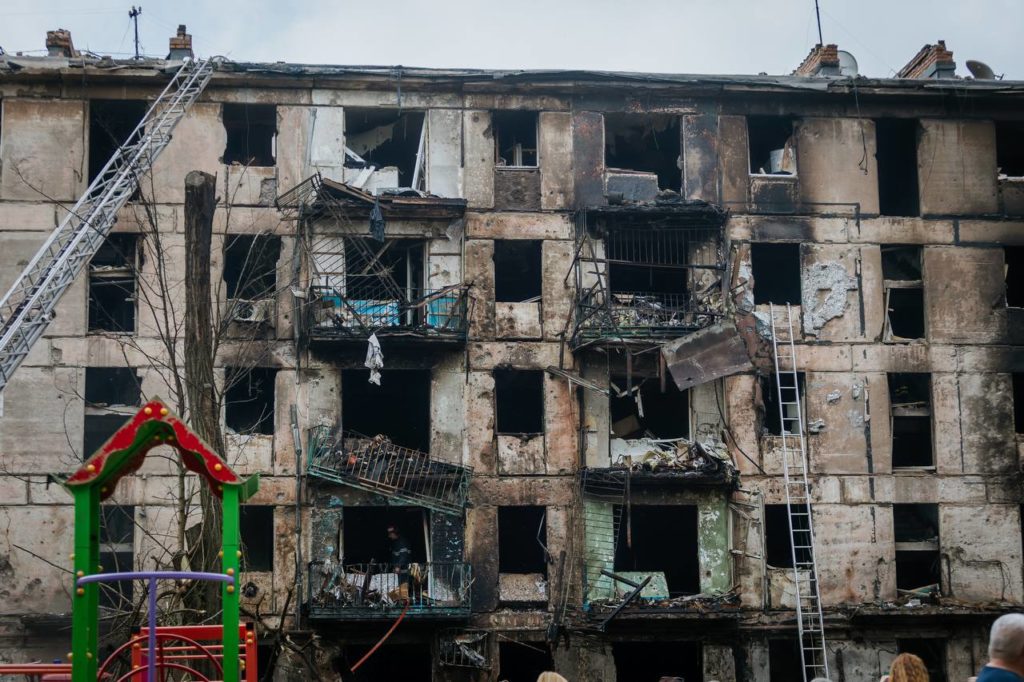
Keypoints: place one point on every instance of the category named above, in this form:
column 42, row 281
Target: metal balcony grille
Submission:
column 377, row 465
column 367, row 591
column 439, row 313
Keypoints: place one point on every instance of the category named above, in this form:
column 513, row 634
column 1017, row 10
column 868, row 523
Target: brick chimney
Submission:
column 58, row 44
column 181, row 45
column 932, row 61
column 823, row 60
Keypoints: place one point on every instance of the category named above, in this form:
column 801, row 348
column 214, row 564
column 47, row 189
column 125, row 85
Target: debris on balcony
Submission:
column 728, row 602
column 465, row 649
column 672, row 459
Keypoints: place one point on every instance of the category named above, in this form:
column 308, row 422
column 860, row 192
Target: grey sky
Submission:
column 681, row 36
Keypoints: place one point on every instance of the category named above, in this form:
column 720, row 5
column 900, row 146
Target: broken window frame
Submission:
column 116, row 135
column 885, row 173
column 543, row 558
column 245, row 127
column 233, row 384
column 117, row 555
column 503, row 119
column 502, row 406
column 912, row 410
column 889, row 285
column 257, row 520
column 789, row 145
column 613, row 122
column 1005, row 129
column 794, row 278
column 918, row 549
column 770, row 400
column 365, row 161
column 518, row 250
column 122, row 276
column 105, row 418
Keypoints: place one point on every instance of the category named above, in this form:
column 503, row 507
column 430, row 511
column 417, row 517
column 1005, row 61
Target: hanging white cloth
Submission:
column 374, row 359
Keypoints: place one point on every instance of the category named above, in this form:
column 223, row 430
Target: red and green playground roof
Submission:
column 152, row 426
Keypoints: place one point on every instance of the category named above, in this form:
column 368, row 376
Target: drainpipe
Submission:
column 297, row 440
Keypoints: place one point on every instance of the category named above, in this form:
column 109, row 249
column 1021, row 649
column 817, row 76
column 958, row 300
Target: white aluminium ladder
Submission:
column 27, row 308
column 810, row 624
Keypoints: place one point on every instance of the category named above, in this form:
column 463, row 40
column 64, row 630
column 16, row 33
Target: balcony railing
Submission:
column 366, row 591
column 646, row 314
column 377, row 465
column 439, row 314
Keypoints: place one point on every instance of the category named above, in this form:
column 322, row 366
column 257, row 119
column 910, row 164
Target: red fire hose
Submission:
column 382, row 639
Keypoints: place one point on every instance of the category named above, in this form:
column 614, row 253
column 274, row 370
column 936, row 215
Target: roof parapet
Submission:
column 931, row 61
column 823, row 60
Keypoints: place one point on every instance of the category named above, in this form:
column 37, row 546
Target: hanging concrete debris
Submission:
column 706, row 355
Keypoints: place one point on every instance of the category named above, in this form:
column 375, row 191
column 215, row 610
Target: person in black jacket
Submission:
column 401, row 554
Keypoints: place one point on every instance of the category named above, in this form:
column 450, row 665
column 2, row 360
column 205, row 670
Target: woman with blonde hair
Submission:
column 906, row 668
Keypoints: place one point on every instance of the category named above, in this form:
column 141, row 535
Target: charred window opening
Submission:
column 784, row 661
column 112, row 386
column 383, row 139
column 656, row 661
column 515, row 138
column 406, row 662
column 779, row 540
column 517, row 270
column 773, row 419
column 651, row 409
column 111, row 123
column 250, row 266
column 117, row 554
column 364, row 535
column 931, row 651
column 644, row 142
column 98, row 428
column 519, row 401
column 896, row 152
column 771, row 145
column 249, row 400
column 643, row 545
column 523, row 661
column 904, row 292
column 112, row 274
column 522, row 540
column 252, row 134
column 776, row 272
column 1010, row 148
column 1014, row 267
column 910, row 419
column 916, row 532
column 1018, row 402
column 398, row 408
column 256, row 530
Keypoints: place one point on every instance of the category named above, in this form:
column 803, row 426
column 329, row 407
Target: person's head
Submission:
column 1006, row 641
column 392, row 532
column 908, row 668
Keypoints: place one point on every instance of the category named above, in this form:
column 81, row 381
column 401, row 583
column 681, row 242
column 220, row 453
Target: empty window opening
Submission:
column 776, row 272
column 654, row 661
column 1018, row 402
column 99, row 428
column 901, row 263
column 911, row 419
column 784, row 661
column 774, row 421
column 771, row 145
column 519, row 400
column 384, row 138
column 931, row 651
column 252, row 134
column 651, row 409
column 250, row 266
column 904, row 292
column 523, row 661
column 644, row 142
column 256, row 529
column 515, row 138
column 117, row 554
column 1010, row 148
column 522, row 540
column 112, row 386
column 642, row 544
column 517, row 270
column 112, row 274
column 406, row 662
column 896, row 151
column 111, row 123
column 647, row 271
column 399, row 408
column 365, row 539
column 249, row 400
column 916, row 532
column 779, row 540
column 1014, row 272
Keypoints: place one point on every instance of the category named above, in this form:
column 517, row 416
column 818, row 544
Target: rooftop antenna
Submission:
column 817, row 13
column 136, row 11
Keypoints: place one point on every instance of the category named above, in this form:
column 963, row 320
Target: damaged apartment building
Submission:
column 539, row 324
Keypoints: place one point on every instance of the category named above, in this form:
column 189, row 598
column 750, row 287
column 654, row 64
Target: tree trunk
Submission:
column 204, row 407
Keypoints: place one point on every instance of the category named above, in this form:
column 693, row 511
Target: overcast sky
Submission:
column 677, row 36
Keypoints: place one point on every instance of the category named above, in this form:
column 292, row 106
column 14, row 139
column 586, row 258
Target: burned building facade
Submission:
column 525, row 321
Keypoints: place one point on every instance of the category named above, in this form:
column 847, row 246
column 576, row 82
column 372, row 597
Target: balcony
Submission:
column 437, row 316
column 436, row 590
column 379, row 466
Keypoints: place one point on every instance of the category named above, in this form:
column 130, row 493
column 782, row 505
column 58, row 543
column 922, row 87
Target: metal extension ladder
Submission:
column 28, row 307
column 810, row 624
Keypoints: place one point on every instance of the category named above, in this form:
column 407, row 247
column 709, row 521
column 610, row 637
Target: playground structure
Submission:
column 154, row 648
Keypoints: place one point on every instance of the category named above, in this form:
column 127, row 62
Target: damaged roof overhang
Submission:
column 358, row 203
column 281, row 74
